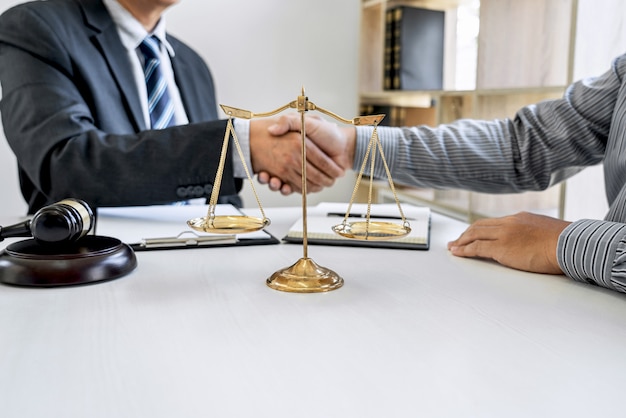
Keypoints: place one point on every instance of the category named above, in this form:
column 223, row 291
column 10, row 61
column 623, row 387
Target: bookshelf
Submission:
column 522, row 54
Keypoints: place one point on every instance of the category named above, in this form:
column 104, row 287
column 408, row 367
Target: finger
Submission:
column 290, row 171
column 476, row 249
column 317, row 179
column 477, row 231
column 285, row 124
column 322, row 161
column 286, row 190
column 292, row 122
column 293, row 187
column 263, row 177
column 275, row 184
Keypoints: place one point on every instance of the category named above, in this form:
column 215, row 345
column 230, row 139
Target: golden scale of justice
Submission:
column 305, row 276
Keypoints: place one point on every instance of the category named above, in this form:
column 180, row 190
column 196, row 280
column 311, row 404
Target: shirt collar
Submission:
column 131, row 31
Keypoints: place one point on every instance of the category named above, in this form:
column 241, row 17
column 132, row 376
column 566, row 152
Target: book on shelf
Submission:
column 388, row 48
column 414, row 49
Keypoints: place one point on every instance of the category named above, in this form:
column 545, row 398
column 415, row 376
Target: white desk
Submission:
column 197, row 333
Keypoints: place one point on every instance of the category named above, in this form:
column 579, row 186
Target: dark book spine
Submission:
column 417, row 49
column 396, row 48
column 389, row 42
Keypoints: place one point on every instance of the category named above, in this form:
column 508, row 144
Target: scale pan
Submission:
column 371, row 231
column 229, row 224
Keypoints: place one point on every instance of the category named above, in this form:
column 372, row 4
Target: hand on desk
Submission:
column 524, row 241
column 330, row 151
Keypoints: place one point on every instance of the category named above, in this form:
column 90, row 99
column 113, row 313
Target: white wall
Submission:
column 261, row 54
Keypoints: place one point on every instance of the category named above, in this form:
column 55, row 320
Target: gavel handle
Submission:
column 21, row 229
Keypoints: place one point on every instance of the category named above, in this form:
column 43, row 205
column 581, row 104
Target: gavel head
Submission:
column 65, row 221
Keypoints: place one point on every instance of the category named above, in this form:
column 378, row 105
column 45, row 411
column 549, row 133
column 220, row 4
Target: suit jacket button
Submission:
column 181, row 192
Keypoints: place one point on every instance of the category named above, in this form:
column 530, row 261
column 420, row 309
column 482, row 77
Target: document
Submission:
column 322, row 218
column 161, row 227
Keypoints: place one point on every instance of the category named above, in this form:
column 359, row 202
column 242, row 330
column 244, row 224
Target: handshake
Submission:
column 276, row 152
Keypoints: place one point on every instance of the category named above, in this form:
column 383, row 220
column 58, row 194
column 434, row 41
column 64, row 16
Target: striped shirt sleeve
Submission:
column 594, row 251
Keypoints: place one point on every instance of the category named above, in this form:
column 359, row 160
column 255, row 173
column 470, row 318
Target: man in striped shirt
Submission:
column 542, row 145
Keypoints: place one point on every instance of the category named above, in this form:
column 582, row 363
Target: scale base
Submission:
column 305, row 276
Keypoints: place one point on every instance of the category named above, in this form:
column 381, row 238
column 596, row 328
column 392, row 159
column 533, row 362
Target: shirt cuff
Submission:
column 389, row 146
column 242, row 130
column 587, row 250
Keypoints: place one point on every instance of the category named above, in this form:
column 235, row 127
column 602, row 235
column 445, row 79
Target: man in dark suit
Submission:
column 74, row 115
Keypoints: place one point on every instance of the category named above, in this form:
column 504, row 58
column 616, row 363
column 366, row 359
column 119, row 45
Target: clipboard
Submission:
column 164, row 227
column 324, row 216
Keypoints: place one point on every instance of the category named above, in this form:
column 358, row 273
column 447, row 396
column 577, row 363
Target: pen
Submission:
column 192, row 241
column 363, row 215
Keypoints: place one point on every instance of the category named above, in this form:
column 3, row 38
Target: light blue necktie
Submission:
column 160, row 103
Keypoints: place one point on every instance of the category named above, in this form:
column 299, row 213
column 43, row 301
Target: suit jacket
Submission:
column 72, row 116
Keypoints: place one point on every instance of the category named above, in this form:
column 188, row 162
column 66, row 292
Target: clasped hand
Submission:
column 276, row 152
column 276, row 156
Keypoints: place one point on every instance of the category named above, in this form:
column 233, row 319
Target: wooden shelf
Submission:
column 400, row 98
column 406, row 98
column 426, row 4
column 507, row 78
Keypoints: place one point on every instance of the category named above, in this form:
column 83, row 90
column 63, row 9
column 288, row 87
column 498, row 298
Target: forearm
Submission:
column 457, row 155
